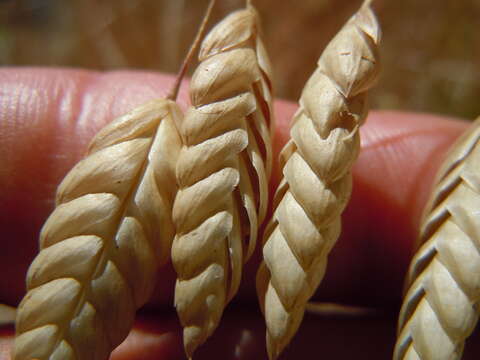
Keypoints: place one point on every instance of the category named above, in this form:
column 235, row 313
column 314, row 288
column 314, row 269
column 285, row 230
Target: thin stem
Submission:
column 172, row 95
column 367, row 3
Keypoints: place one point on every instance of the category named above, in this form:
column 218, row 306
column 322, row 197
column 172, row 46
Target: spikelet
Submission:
column 440, row 309
column 317, row 179
column 103, row 243
column 222, row 173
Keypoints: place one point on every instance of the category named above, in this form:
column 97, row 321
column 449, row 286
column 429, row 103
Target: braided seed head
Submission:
column 101, row 246
column 440, row 309
column 222, row 173
column 317, row 180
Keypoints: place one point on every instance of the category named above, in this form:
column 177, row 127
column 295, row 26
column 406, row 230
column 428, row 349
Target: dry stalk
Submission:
column 440, row 309
column 103, row 244
column 317, row 179
column 222, row 173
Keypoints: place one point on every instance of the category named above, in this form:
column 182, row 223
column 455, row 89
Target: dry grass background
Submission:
column 431, row 48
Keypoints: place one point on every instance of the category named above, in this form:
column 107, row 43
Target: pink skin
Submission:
column 47, row 119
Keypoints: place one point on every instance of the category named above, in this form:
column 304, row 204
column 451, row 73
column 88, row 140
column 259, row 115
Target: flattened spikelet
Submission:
column 222, row 172
column 317, row 179
column 440, row 308
column 102, row 245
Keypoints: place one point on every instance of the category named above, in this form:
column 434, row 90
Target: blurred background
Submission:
column 431, row 48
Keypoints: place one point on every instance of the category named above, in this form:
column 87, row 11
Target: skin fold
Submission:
column 48, row 116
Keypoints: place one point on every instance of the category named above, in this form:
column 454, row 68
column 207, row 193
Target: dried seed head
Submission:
column 102, row 245
column 317, row 178
column 222, row 172
column 440, row 309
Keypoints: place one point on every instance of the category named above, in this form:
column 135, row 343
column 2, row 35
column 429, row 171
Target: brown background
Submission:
column 431, row 48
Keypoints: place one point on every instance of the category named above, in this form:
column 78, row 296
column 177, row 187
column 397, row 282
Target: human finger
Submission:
column 48, row 117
